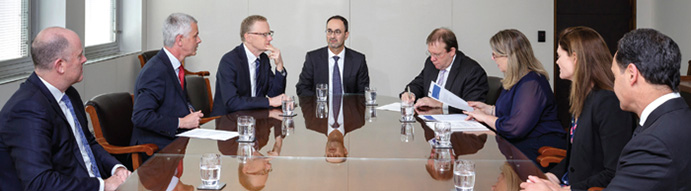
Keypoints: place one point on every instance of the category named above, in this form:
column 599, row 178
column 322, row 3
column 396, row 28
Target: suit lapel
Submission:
column 455, row 70
column 348, row 69
column 668, row 106
column 244, row 68
column 322, row 65
column 171, row 74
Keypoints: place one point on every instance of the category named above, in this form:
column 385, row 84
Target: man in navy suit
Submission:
column 45, row 143
column 244, row 79
column 319, row 64
column 161, row 107
column 646, row 72
column 450, row 68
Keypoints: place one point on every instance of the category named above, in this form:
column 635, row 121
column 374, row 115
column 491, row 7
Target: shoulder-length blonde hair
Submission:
column 512, row 44
column 592, row 66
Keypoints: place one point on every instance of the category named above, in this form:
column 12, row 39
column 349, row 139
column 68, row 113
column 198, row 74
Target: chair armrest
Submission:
column 595, row 188
column 546, row 160
column 552, row 151
column 200, row 73
column 207, row 119
column 149, row 149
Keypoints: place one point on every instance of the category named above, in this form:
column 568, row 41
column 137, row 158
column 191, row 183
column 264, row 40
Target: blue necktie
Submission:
column 336, row 78
column 256, row 77
column 85, row 144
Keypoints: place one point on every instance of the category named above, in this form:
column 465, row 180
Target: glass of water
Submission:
column 464, row 175
column 371, row 114
column 442, row 132
column 322, row 110
column 407, row 132
column 210, row 169
column 322, row 92
column 288, row 105
column 371, row 95
column 407, row 112
column 288, row 126
column 246, row 128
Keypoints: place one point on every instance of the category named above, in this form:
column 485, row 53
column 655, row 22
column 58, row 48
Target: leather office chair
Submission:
column 198, row 87
column 495, row 88
column 110, row 116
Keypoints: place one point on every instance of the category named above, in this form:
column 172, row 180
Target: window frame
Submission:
column 111, row 48
column 15, row 68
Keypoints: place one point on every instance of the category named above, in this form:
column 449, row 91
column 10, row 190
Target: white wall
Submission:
column 671, row 18
column 390, row 33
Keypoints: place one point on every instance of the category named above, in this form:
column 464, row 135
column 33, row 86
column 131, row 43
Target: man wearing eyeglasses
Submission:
column 451, row 69
column 244, row 79
column 344, row 69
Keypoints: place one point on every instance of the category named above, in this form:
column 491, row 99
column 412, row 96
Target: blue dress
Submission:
column 527, row 115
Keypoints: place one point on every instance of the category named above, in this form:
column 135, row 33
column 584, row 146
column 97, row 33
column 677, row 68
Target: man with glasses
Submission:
column 244, row 79
column 451, row 69
column 344, row 69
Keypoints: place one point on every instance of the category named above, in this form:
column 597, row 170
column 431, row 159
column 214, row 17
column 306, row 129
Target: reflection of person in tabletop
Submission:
column 508, row 180
column 521, row 164
column 253, row 170
column 163, row 172
column 346, row 113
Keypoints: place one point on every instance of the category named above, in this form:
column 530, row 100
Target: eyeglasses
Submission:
column 495, row 56
column 266, row 34
column 330, row 32
column 435, row 55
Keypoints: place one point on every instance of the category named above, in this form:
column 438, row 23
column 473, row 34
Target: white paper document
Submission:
column 396, row 106
column 219, row 135
column 445, row 96
column 457, row 121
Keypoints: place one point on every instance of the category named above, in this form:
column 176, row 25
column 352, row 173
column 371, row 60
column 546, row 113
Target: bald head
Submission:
column 49, row 45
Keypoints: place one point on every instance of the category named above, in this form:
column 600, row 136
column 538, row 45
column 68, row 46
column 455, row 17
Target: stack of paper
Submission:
column 396, row 106
column 457, row 121
column 219, row 135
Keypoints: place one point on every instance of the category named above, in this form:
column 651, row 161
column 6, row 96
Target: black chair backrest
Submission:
column 149, row 54
column 198, row 93
column 494, row 89
column 115, row 115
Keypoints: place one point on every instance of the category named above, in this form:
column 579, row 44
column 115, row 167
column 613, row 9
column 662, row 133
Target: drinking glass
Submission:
column 371, row 114
column 322, row 92
column 407, row 132
column 371, row 96
column 210, row 169
column 246, row 128
column 443, row 160
column 288, row 126
column 442, row 132
column 407, row 111
column 288, row 105
column 464, row 175
column 322, row 110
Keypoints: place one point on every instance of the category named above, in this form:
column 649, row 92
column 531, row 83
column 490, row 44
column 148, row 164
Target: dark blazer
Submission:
column 353, row 114
column 38, row 150
column 657, row 157
column 602, row 131
column 316, row 71
column 158, row 103
column 233, row 88
column 466, row 79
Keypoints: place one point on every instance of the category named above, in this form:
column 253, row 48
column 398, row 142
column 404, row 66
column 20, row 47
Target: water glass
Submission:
column 210, row 169
column 442, row 132
column 245, row 151
column 370, row 96
column 288, row 126
column 407, row 112
column 371, row 114
column 246, row 128
column 322, row 92
column 407, row 132
column 322, row 110
column 288, row 105
column 464, row 175
column 443, row 160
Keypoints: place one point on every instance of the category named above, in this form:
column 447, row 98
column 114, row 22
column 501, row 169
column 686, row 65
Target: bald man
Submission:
column 45, row 143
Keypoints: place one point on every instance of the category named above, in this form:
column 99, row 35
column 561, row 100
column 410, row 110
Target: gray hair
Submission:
column 176, row 24
column 46, row 50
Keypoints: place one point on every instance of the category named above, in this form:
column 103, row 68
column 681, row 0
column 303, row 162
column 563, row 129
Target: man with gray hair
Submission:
column 161, row 106
column 45, row 143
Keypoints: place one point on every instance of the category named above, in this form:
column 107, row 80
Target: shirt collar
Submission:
column 340, row 54
column 57, row 94
column 250, row 57
column 173, row 61
column 656, row 103
column 448, row 69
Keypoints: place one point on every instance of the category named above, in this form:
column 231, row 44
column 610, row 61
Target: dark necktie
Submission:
column 336, row 78
column 337, row 109
column 257, row 86
column 85, row 144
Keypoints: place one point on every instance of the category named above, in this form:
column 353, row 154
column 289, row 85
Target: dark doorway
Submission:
column 611, row 18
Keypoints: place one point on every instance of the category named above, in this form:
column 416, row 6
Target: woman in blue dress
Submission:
column 526, row 111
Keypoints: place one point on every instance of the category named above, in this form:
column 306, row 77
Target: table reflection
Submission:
column 164, row 172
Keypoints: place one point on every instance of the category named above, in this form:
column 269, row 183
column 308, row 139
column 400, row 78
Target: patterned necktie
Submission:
column 256, row 77
column 440, row 81
column 181, row 76
column 85, row 144
column 337, row 90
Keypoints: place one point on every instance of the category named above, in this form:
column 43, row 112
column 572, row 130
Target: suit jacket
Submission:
column 233, row 88
column 466, row 79
column 657, row 157
column 158, row 103
column 603, row 130
column 316, row 71
column 353, row 114
column 38, row 150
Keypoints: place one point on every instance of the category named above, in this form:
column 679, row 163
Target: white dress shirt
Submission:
column 656, row 103
column 445, row 107
column 341, row 60
column 174, row 62
column 253, row 69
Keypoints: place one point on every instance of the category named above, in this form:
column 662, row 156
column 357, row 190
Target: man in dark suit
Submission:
column 244, row 79
column 646, row 71
column 321, row 64
column 450, row 68
column 161, row 106
column 45, row 143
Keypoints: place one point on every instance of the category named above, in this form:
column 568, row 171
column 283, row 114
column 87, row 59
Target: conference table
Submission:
column 371, row 150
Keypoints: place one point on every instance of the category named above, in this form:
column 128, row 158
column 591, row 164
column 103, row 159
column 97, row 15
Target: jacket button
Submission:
column 571, row 169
